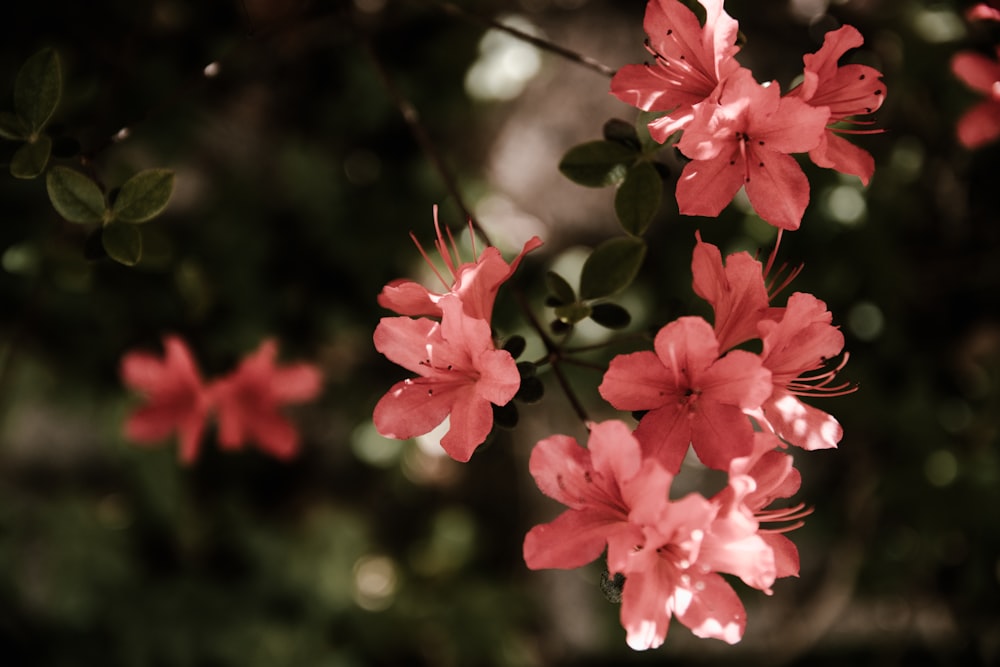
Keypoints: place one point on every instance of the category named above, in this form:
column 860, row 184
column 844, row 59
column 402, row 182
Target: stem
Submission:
column 412, row 119
column 554, row 357
column 580, row 59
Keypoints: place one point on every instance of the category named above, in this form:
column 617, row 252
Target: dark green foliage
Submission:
column 612, row 267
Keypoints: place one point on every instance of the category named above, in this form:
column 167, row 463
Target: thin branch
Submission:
column 568, row 54
column 553, row 357
column 412, row 119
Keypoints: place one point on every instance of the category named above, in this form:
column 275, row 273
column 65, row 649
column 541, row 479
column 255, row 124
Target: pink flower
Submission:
column 693, row 396
column 690, row 61
column 249, row 401
column 461, row 375
column 801, row 342
column 847, row 91
column 735, row 290
column 176, row 398
column 669, row 551
column 981, row 124
column 983, row 12
column 773, row 477
column 475, row 283
column 745, row 140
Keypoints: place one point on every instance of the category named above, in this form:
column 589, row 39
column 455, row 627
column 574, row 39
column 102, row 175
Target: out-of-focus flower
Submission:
column 250, row 398
column 983, row 12
column 176, row 398
column 979, row 125
column 461, row 376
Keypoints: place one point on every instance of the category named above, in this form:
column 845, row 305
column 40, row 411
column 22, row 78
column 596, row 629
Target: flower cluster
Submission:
column 671, row 552
column 461, row 374
column 246, row 401
column 980, row 125
column 696, row 389
column 741, row 133
column 729, row 392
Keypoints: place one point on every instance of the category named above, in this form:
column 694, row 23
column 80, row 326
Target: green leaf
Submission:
column 30, row 159
column 612, row 267
column 123, row 242
column 515, row 346
column 638, row 198
column 505, row 416
column 561, row 290
column 74, row 195
column 597, row 164
column 558, row 327
column 573, row 313
column 144, row 196
column 621, row 132
column 648, row 143
column 610, row 315
column 12, row 127
column 531, row 391
column 37, row 89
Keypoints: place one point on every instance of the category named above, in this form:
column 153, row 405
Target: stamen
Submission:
column 442, row 247
column 794, row 514
column 773, row 281
column 427, row 259
column 818, row 385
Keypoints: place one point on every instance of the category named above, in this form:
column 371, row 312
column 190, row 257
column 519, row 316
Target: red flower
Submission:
column 693, row 397
column 981, row 124
column 773, row 477
column 461, row 375
column 983, row 12
column 735, row 290
column 249, row 401
column 850, row 90
column 176, row 398
column 475, row 283
column 690, row 61
column 745, row 140
column 671, row 552
column 801, row 342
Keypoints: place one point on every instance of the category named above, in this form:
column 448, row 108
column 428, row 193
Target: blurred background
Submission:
column 297, row 184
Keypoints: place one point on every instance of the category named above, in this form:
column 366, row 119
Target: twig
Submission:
column 572, row 56
column 412, row 119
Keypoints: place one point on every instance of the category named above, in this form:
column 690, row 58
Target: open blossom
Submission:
column 690, row 60
column 670, row 552
column 476, row 283
column 746, row 140
column 798, row 344
column 847, row 91
column 774, row 478
column 735, row 290
column 176, row 398
column 249, row 401
column 692, row 395
column 461, row 376
column 979, row 125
